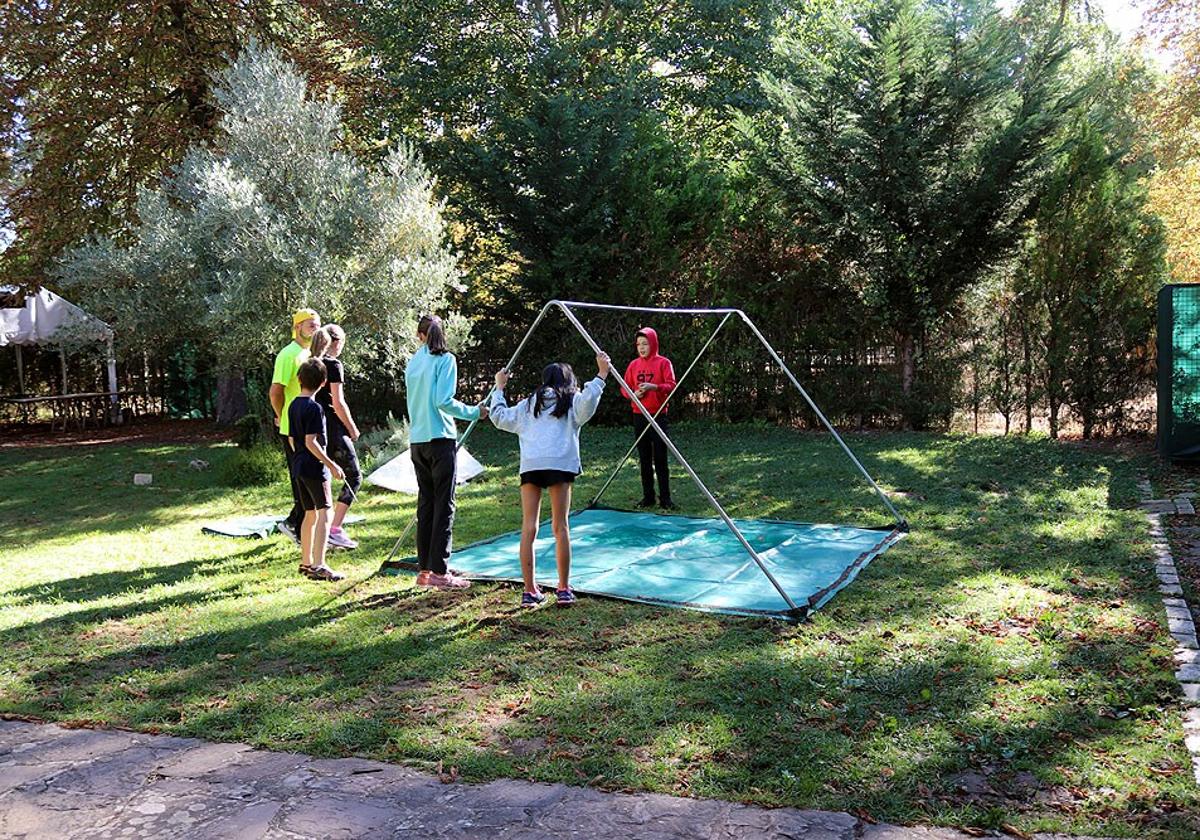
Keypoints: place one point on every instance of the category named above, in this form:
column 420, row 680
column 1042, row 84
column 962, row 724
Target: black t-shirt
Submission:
column 305, row 417
column 333, row 373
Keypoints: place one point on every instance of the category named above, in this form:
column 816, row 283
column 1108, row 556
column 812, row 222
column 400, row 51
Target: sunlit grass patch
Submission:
column 1006, row 664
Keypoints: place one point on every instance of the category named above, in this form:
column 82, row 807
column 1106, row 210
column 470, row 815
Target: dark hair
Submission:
column 430, row 326
column 311, row 374
column 559, row 378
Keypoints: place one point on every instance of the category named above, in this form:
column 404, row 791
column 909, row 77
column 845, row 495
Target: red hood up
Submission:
column 652, row 337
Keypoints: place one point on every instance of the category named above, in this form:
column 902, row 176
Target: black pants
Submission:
column 296, row 516
column 435, row 464
column 652, row 456
column 343, row 453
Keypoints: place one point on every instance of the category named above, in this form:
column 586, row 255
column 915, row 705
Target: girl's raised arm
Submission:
column 588, row 400
column 503, row 417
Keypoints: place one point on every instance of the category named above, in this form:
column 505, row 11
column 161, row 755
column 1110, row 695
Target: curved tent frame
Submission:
column 726, row 314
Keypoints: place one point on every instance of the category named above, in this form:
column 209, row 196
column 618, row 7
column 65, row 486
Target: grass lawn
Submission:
column 1008, row 664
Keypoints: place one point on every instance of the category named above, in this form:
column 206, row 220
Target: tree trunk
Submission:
column 908, row 374
column 1027, row 373
column 231, row 397
column 1053, row 405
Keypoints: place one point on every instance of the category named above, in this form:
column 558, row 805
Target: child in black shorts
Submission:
column 547, row 425
column 311, row 468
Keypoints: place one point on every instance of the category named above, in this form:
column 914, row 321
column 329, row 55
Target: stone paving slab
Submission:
column 77, row 783
column 1180, row 623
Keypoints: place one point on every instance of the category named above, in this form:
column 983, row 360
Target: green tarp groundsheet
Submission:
column 692, row 562
column 257, row 527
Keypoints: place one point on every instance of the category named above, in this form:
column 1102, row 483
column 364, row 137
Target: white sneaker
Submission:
column 286, row 530
column 338, row 539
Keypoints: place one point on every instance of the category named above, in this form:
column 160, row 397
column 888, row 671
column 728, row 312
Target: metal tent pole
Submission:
column 901, row 522
column 579, row 304
column 565, row 307
column 471, row 427
column 678, row 382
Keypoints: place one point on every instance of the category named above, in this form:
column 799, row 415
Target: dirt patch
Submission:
column 518, row 747
column 114, row 630
column 40, row 436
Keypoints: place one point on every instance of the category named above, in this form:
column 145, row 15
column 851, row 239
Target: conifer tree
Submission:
column 906, row 140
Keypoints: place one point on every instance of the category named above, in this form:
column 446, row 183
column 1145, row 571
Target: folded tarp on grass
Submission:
column 256, row 527
column 692, row 562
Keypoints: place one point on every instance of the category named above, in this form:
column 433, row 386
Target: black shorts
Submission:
column 314, row 493
column 547, row 478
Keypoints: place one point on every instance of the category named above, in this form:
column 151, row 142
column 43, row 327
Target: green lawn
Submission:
column 1007, row 664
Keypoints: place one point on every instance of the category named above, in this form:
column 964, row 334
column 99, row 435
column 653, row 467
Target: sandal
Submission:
column 321, row 572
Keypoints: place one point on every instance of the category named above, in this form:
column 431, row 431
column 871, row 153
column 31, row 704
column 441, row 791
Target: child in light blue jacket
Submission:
column 547, row 425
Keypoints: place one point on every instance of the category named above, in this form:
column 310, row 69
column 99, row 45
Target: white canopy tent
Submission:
column 47, row 319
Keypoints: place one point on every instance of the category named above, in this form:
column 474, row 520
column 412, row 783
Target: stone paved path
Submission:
column 76, row 783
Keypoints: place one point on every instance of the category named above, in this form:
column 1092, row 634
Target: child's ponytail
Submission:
column 430, row 326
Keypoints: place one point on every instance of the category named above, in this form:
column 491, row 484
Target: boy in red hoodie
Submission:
column 652, row 378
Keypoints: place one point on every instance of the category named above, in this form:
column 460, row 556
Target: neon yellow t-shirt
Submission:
column 287, row 363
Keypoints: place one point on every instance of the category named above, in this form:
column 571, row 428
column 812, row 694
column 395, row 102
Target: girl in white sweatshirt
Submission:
column 547, row 424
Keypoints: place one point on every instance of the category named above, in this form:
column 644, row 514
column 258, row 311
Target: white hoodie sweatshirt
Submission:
column 548, row 442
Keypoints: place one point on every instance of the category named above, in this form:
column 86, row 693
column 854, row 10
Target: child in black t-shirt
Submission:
column 340, row 428
column 311, row 469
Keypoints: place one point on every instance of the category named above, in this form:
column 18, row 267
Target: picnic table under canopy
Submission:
column 46, row 319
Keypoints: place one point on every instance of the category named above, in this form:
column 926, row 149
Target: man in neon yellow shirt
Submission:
column 285, row 387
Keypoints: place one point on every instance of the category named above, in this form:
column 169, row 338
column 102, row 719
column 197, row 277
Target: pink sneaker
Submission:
column 338, row 539
column 446, row 581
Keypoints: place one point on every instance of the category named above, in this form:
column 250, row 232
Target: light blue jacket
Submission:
column 431, row 382
column 548, row 442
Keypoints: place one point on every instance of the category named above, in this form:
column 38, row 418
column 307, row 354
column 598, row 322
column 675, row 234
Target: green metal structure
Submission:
column 1179, row 371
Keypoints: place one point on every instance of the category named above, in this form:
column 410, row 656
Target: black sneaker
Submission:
column 644, row 504
column 667, row 504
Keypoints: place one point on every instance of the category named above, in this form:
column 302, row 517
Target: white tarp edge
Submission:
column 397, row 474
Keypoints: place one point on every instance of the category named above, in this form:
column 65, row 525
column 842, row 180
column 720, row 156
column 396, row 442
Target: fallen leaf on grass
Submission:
column 446, row 778
column 134, row 692
column 863, row 815
column 1015, row 832
column 1166, row 767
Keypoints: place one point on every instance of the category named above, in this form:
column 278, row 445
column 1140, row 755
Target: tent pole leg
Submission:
column 683, row 461
column 20, row 370
column 901, row 522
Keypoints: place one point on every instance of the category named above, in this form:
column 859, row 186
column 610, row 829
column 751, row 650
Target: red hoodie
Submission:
column 654, row 368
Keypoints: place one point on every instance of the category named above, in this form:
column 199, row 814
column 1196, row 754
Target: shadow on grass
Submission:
column 103, row 585
column 986, row 644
